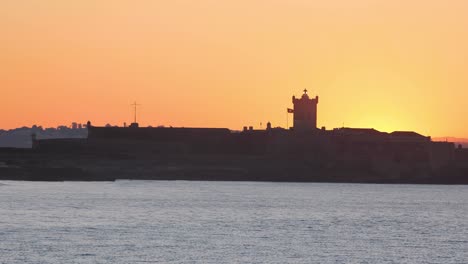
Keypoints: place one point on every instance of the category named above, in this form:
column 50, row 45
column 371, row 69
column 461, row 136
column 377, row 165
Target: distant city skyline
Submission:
column 388, row 65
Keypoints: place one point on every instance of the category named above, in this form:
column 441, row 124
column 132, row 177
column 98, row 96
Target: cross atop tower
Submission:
column 305, row 91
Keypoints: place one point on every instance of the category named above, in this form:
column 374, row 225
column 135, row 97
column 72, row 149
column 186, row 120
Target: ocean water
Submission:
column 231, row 222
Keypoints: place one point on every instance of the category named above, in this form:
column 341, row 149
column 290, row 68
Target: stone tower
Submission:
column 305, row 112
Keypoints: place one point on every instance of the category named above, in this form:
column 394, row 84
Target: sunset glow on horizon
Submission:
column 388, row 65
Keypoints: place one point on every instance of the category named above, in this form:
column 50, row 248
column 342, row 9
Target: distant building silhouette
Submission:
column 303, row 153
column 305, row 112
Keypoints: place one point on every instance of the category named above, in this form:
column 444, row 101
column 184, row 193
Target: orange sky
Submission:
column 392, row 65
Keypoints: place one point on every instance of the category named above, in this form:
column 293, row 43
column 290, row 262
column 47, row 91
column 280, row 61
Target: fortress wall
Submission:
column 60, row 145
column 441, row 154
column 159, row 133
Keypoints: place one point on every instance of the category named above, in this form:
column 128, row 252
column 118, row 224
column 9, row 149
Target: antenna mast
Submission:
column 135, row 111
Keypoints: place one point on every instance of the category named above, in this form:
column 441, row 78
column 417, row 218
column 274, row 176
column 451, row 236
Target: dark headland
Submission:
column 302, row 153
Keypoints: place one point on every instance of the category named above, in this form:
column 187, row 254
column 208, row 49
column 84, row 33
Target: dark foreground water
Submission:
column 231, row 222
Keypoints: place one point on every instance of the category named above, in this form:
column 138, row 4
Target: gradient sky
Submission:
column 391, row 65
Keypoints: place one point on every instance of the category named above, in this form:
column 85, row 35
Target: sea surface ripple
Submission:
column 231, row 222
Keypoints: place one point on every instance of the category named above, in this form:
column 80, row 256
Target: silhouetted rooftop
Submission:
column 358, row 131
column 406, row 134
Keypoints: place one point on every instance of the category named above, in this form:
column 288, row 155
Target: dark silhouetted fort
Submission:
column 301, row 153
